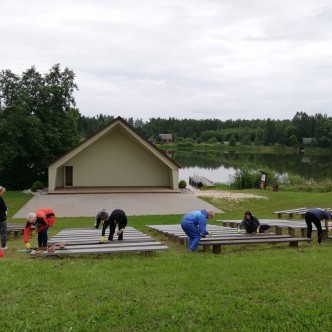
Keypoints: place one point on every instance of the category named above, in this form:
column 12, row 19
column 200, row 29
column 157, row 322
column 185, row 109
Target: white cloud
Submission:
column 184, row 59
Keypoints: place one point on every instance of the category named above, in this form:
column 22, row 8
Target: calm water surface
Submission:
column 220, row 166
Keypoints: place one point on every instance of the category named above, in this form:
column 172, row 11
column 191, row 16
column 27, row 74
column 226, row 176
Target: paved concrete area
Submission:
column 87, row 205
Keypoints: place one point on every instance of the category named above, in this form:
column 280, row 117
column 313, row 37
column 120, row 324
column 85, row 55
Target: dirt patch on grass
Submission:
column 226, row 195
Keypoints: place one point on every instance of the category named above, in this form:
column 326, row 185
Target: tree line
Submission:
column 39, row 122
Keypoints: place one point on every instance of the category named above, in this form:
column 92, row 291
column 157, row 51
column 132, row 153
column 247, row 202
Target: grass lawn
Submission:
column 247, row 288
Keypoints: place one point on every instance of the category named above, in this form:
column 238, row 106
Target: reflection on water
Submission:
column 218, row 166
column 220, row 174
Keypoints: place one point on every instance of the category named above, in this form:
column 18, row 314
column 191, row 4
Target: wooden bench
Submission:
column 301, row 212
column 291, row 212
column 86, row 242
column 145, row 249
column 176, row 234
column 93, row 241
column 216, row 245
column 16, row 229
column 280, row 226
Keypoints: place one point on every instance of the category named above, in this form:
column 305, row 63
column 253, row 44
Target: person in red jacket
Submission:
column 42, row 219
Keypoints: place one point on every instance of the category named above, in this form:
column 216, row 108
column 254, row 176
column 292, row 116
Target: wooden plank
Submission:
column 82, row 241
column 290, row 212
column 94, row 251
column 96, row 241
column 119, row 244
column 244, row 237
column 61, row 238
column 216, row 245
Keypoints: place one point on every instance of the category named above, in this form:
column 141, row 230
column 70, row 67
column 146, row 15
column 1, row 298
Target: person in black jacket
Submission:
column 252, row 224
column 3, row 218
column 315, row 216
column 117, row 218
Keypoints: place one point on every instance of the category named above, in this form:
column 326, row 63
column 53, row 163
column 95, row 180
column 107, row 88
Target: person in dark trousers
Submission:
column 3, row 219
column 315, row 216
column 194, row 225
column 42, row 219
column 117, row 218
column 251, row 224
column 101, row 217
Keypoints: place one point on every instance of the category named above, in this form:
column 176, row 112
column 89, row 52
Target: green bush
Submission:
column 37, row 186
column 182, row 184
column 249, row 178
column 245, row 179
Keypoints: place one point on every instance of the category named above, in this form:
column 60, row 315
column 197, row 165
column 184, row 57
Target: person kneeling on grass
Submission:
column 194, row 225
column 117, row 218
column 251, row 224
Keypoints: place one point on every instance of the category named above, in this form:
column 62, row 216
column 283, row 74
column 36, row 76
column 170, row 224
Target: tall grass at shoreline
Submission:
column 246, row 288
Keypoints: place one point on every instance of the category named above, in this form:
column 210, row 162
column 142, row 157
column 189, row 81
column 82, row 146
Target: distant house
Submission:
column 166, row 138
column 116, row 156
column 308, row 140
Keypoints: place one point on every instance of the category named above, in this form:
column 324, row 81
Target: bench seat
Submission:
column 291, row 212
column 144, row 249
column 216, row 245
column 279, row 225
column 85, row 241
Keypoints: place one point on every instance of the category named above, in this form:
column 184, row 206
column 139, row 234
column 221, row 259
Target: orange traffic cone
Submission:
column 1, row 252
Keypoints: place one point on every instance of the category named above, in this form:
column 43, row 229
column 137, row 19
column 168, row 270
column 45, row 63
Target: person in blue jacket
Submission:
column 194, row 225
column 315, row 216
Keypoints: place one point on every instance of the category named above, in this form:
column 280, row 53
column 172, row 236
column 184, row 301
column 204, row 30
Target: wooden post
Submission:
column 182, row 240
column 278, row 230
column 206, row 247
column 216, row 248
column 291, row 231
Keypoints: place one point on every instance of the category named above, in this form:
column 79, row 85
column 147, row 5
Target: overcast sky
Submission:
column 197, row 59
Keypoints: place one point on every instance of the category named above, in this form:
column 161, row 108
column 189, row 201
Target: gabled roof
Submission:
column 165, row 136
column 129, row 131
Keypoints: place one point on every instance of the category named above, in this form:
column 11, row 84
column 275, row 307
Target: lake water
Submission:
column 221, row 174
column 220, row 166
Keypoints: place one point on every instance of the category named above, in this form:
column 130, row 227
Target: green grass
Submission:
column 247, row 288
column 274, row 201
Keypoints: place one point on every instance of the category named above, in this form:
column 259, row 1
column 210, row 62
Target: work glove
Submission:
column 28, row 245
column 33, row 232
column 102, row 239
column 96, row 226
column 119, row 232
column 209, row 233
column 238, row 230
column 257, row 229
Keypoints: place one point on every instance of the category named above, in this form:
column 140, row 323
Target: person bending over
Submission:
column 315, row 216
column 117, row 218
column 42, row 219
column 194, row 225
column 101, row 217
